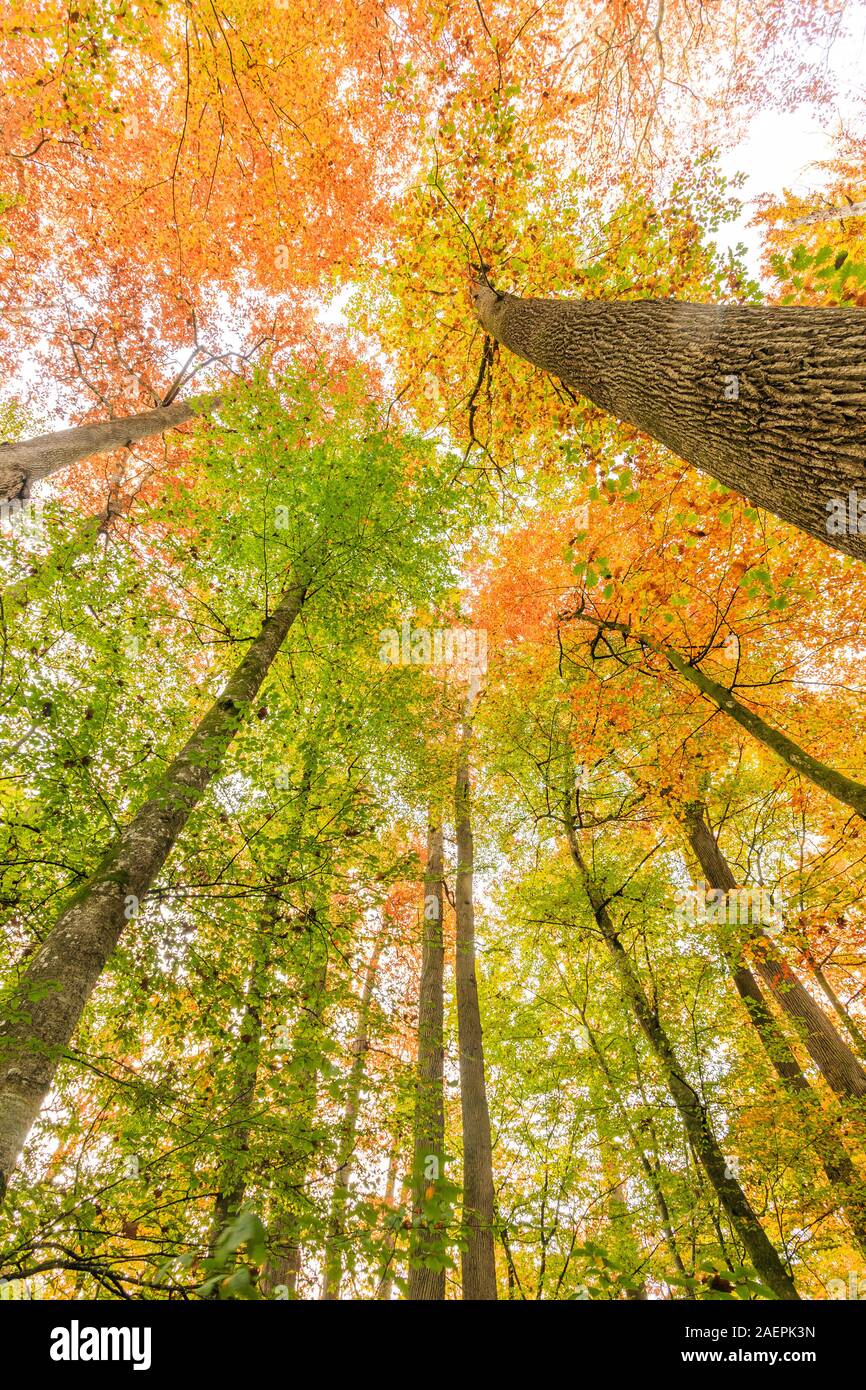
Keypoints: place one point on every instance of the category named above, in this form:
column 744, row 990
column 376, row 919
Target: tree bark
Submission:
column 478, row 1259
column 692, row 1111
column 42, row 1012
column 28, row 461
column 771, row 402
column 426, row 1256
column 827, row 1048
column 348, row 1129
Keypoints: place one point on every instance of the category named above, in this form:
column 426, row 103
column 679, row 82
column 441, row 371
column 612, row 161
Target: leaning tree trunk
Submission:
column 28, row 461
column 835, row 1003
column 834, row 1157
column 42, row 1012
column 348, row 1129
column 478, row 1259
column 825, row 1045
column 769, row 401
column 845, row 789
column 691, row 1108
column 426, row 1255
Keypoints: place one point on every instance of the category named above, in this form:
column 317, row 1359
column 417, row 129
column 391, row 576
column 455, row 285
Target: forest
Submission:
column 432, row 635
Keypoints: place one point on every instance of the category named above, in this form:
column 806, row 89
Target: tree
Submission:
column 765, row 400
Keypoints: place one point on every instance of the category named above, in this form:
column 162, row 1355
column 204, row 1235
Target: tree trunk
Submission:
column 624, row 1248
column 283, row 1266
column 764, row 1257
column 24, row 463
column 836, row 1004
column 426, row 1256
column 44, row 1009
column 477, row 1258
column 836, row 784
column 834, row 1157
column 386, row 1277
column 235, row 1129
column 771, row 402
column 348, row 1129
column 827, row 1048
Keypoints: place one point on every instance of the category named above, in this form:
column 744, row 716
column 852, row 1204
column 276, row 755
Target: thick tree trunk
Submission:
column 43, row 1011
column 764, row 1257
column 426, row 1256
column 348, row 1129
column 477, row 1258
column 25, row 463
column 769, row 401
column 834, row 1157
column 827, row 1048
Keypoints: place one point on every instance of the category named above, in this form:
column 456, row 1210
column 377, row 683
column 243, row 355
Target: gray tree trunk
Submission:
column 477, row 1258
column 771, row 402
column 426, row 1279
column 42, row 1012
column 28, row 461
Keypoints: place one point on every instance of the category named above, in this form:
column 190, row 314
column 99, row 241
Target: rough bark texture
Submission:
column 43, row 1011
column 24, row 463
column 769, row 401
column 825, row 1045
column 834, row 1157
column 761, row 1252
column 478, row 1258
column 348, row 1130
column 426, row 1245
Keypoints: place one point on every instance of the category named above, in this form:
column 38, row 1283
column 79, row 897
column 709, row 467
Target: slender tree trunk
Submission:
column 624, row 1245
column 235, row 1143
column 836, row 784
column 769, row 401
column 836, row 1004
column 834, row 1157
column 478, row 1258
column 827, row 1048
column 24, row 463
column 386, row 1280
column 43, row 1011
column 348, row 1128
column 764, row 1257
column 651, row 1169
column 283, row 1266
column 426, row 1256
